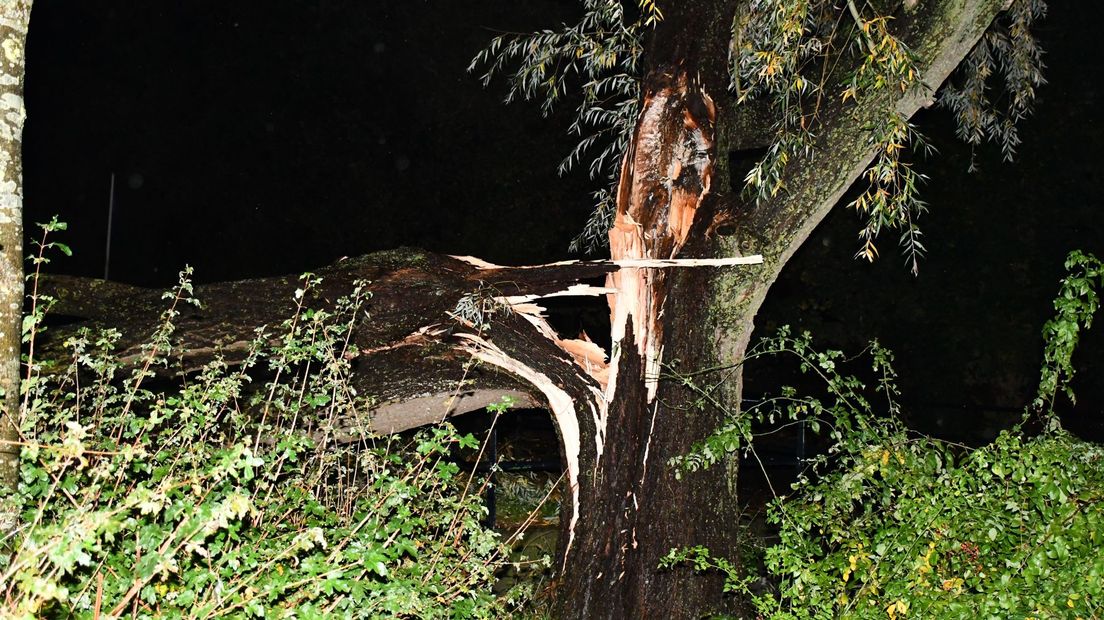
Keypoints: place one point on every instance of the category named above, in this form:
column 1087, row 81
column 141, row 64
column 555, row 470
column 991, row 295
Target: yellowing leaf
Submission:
column 897, row 607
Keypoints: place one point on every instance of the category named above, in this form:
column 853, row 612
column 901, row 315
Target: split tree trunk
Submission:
column 675, row 192
column 14, row 17
column 633, row 510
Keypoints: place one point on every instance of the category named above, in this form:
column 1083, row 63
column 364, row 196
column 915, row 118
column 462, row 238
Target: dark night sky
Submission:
column 272, row 137
column 255, row 138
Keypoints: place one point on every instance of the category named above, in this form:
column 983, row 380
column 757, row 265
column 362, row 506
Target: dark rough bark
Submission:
column 412, row 357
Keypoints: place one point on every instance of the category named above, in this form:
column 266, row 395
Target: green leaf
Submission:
column 380, row 569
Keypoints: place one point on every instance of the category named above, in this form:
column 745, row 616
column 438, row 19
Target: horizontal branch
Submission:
column 410, row 357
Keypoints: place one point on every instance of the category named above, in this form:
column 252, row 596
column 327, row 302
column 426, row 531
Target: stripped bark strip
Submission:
column 656, row 263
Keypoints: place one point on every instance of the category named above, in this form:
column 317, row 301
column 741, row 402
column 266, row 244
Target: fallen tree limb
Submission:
column 413, row 346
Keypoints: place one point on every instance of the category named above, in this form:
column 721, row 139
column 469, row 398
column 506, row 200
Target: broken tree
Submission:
column 618, row 419
column 429, row 316
column 676, row 196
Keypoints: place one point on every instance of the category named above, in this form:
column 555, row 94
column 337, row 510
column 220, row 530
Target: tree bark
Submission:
column 14, row 18
column 674, row 194
column 412, row 352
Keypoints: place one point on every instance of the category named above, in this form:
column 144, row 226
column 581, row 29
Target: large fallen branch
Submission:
column 413, row 346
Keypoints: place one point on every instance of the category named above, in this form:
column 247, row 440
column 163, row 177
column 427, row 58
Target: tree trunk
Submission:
column 633, row 510
column 412, row 347
column 674, row 195
column 14, row 17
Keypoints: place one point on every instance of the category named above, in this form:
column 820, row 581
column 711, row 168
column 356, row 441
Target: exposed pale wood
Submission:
column 564, row 410
column 665, row 263
column 666, row 175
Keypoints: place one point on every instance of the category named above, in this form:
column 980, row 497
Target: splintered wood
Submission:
column 562, row 406
column 589, row 356
column 664, row 178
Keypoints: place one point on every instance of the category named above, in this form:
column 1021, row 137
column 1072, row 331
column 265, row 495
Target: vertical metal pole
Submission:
column 110, row 216
column 801, row 447
column 491, row 495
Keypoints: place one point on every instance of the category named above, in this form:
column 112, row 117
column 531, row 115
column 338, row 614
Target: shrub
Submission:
column 207, row 497
column 894, row 525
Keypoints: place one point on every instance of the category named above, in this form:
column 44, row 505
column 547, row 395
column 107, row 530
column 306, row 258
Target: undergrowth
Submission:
column 891, row 524
column 222, row 493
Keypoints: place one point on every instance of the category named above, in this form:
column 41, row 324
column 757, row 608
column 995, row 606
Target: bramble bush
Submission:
column 211, row 497
column 891, row 524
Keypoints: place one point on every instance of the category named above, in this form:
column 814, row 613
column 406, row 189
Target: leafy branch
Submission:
column 599, row 58
column 1077, row 302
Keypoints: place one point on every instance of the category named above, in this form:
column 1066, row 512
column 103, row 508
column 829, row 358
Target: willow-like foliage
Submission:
column 599, row 58
column 791, row 53
column 1007, row 54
